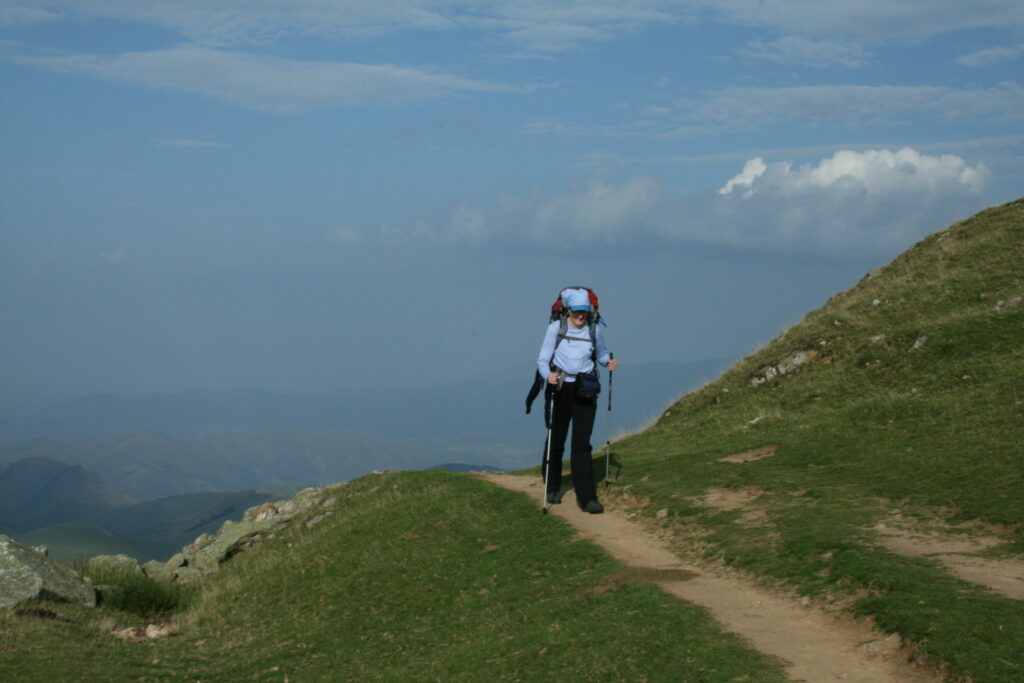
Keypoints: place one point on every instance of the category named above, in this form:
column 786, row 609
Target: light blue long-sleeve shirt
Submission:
column 573, row 355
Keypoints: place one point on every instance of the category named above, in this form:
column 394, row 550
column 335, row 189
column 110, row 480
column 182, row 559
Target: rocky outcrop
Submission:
column 26, row 574
column 783, row 367
column 209, row 551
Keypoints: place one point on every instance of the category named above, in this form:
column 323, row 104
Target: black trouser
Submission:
column 581, row 414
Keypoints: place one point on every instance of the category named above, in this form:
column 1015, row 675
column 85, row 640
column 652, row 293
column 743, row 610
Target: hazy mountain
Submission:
column 72, row 511
column 484, row 406
column 155, row 466
column 222, row 441
column 37, row 492
column 80, row 539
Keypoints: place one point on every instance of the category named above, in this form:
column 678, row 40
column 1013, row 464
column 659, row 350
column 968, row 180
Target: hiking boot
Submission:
column 593, row 507
column 555, row 497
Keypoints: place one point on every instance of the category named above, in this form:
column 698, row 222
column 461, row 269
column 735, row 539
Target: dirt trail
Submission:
column 817, row 646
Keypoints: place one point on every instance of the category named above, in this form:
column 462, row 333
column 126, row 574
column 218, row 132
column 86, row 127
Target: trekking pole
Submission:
column 608, row 430
column 547, row 451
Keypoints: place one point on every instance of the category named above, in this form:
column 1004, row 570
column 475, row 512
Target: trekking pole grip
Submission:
column 611, row 374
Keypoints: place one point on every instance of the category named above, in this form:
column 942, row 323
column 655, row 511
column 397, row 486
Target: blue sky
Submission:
column 312, row 195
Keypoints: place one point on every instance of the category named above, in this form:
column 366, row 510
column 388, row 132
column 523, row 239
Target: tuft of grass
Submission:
column 133, row 592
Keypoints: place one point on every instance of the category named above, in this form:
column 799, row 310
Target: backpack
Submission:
column 560, row 313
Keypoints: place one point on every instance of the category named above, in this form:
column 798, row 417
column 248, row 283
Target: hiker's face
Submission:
column 579, row 318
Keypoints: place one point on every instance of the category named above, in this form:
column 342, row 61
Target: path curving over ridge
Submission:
column 817, row 646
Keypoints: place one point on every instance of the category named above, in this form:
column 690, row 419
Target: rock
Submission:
column 135, row 634
column 875, row 339
column 155, row 569
column 662, row 513
column 232, row 539
column 918, row 343
column 1000, row 305
column 29, row 575
column 319, row 518
column 783, row 367
column 186, row 574
column 115, row 563
column 209, row 551
column 261, row 512
column 154, row 631
column 201, row 541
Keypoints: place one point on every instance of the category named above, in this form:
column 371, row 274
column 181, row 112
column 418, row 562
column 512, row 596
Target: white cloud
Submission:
column 752, row 170
column 876, row 171
column 992, row 55
column 264, row 82
column 807, row 52
column 594, row 213
column 871, row 202
column 856, row 201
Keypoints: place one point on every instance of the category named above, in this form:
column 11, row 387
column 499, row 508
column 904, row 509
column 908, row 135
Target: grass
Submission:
column 868, row 428
column 133, row 593
column 417, row 576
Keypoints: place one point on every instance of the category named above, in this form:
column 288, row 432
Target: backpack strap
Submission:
column 563, row 334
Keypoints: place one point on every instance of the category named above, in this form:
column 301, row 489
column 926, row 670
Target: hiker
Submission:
column 567, row 360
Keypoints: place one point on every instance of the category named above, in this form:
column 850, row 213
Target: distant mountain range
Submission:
column 153, row 465
column 72, row 511
column 213, row 441
column 144, row 477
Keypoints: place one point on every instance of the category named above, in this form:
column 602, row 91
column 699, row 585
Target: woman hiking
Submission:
column 567, row 359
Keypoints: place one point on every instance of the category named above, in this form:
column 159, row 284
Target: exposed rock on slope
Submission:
column 209, row 551
column 27, row 574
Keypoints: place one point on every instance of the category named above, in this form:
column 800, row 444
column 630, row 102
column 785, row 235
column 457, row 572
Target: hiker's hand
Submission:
column 552, row 378
column 612, row 364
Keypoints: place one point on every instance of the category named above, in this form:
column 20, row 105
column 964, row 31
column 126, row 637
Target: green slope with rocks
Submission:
column 873, row 455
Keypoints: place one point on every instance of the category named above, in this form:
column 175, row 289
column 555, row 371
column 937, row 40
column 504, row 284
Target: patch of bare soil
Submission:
column 958, row 552
column 735, row 499
column 751, row 455
column 817, row 646
column 729, row 499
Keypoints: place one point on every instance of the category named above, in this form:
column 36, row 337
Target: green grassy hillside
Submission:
column 907, row 411
column 417, row 576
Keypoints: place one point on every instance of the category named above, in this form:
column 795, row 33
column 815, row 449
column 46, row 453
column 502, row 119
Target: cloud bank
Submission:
column 537, row 25
column 265, row 82
column 807, row 52
column 856, row 203
column 855, row 105
column 991, row 56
